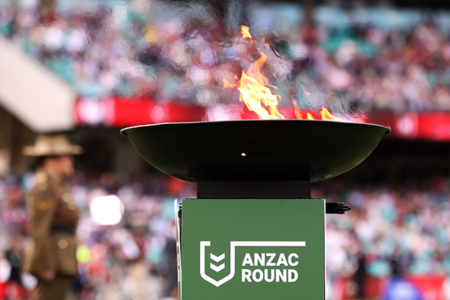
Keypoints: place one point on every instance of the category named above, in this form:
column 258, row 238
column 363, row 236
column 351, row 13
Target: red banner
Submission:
column 123, row 112
column 430, row 287
column 432, row 126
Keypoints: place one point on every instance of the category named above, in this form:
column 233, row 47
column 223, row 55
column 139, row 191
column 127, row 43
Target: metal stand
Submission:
column 296, row 189
column 209, row 189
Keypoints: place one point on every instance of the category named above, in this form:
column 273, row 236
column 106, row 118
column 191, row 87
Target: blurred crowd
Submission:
column 391, row 231
column 186, row 58
column 135, row 259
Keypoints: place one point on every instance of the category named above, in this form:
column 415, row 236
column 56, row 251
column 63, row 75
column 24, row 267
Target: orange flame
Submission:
column 297, row 111
column 326, row 115
column 256, row 92
column 245, row 31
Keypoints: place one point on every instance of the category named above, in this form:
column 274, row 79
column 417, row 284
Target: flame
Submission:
column 297, row 111
column 326, row 115
column 256, row 92
column 245, row 31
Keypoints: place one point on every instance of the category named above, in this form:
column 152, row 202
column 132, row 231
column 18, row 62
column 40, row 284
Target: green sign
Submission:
column 253, row 249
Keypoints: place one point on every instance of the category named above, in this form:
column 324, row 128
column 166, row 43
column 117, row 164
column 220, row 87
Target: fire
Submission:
column 245, row 31
column 297, row 111
column 325, row 114
column 255, row 90
column 259, row 96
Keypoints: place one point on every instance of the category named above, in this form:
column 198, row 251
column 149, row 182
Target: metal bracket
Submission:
column 337, row 208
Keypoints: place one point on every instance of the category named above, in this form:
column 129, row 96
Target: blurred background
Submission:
column 89, row 68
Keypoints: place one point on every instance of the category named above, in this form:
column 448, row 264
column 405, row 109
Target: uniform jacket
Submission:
column 53, row 219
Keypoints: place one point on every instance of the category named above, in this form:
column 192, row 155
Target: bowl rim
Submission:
column 123, row 131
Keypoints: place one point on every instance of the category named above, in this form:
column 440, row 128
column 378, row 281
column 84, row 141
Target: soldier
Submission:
column 53, row 218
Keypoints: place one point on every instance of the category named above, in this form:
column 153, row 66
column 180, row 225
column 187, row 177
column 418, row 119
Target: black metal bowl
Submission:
column 256, row 149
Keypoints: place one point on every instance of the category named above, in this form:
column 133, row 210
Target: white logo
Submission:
column 217, row 259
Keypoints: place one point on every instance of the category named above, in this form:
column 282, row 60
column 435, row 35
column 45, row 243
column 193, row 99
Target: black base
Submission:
column 209, row 189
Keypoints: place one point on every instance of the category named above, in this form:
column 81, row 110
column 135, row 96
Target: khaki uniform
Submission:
column 53, row 219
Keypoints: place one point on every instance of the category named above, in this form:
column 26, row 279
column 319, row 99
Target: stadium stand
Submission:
column 400, row 66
